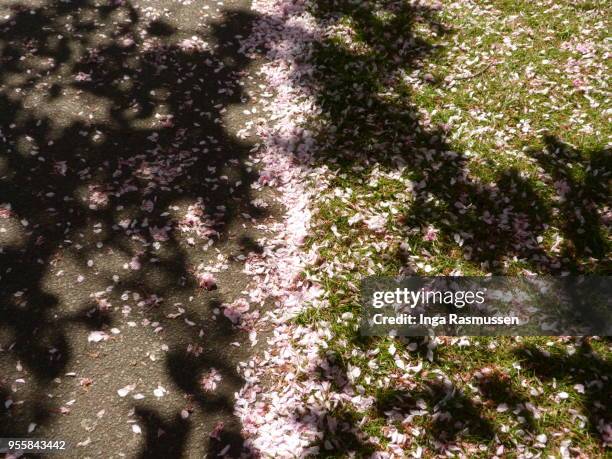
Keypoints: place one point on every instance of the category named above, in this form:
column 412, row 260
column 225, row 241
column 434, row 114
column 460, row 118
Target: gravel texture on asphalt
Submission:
column 128, row 206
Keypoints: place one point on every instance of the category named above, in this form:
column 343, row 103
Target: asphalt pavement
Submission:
column 128, row 207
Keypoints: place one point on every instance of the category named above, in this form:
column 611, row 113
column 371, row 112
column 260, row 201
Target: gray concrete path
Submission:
column 124, row 185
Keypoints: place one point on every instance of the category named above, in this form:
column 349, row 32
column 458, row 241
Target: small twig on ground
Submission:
column 480, row 72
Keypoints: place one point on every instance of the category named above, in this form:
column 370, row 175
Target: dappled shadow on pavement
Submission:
column 113, row 123
column 109, row 134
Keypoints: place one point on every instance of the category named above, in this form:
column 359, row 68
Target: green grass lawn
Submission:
column 465, row 138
